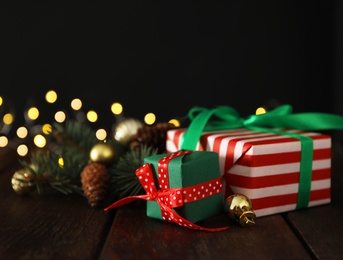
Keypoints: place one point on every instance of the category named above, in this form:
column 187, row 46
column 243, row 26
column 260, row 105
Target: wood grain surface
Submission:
column 65, row 227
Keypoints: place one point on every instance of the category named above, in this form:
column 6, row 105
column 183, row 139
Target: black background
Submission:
column 169, row 56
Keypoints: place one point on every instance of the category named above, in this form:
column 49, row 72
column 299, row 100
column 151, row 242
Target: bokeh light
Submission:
column 76, row 104
column 175, row 122
column 116, row 108
column 60, row 116
column 51, row 96
column 8, row 119
column 22, row 132
column 47, row 129
column 150, row 118
column 33, row 113
column 3, row 141
column 260, row 110
column 92, row 116
column 61, row 162
column 22, row 150
column 101, row 134
column 39, row 140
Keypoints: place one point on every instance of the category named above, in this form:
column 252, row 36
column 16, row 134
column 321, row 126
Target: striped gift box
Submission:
column 266, row 166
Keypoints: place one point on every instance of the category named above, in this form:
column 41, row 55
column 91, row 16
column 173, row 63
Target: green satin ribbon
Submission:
column 280, row 117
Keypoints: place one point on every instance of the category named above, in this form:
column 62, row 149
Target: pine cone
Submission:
column 153, row 136
column 95, row 181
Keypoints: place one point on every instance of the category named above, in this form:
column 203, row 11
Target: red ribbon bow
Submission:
column 169, row 198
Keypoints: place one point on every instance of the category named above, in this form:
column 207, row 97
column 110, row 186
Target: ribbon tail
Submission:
column 169, row 215
column 126, row 200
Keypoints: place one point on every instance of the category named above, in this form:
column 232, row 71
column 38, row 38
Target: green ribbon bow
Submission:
column 280, row 117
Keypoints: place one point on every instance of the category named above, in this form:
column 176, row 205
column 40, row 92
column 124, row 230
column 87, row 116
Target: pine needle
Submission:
column 61, row 164
column 124, row 181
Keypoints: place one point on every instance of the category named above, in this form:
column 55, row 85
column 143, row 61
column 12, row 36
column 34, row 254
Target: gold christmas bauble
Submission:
column 102, row 153
column 125, row 129
column 239, row 208
column 22, row 181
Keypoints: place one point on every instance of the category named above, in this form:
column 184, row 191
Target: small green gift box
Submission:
column 188, row 182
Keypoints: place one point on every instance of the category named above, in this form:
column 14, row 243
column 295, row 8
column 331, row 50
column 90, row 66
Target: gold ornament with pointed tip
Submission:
column 240, row 209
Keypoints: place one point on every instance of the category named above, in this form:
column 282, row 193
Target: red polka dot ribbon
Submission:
column 169, row 198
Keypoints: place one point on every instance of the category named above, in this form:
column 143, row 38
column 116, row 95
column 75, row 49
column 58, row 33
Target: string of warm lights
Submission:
column 35, row 131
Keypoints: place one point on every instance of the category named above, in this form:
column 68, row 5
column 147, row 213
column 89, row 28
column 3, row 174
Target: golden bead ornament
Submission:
column 102, row 153
column 240, row 209
column 22, row 181
column 126, row 128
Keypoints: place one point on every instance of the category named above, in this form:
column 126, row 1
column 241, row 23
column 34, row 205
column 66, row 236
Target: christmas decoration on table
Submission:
column 123, row 179
column 239, row 208
column 77, row 162
column 22, row 181
column 278, row 160
column 126, row 128
column 95, row 180
column 188, row 188
column 152, row 136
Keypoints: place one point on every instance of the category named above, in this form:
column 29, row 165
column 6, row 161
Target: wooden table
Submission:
column 66, row 227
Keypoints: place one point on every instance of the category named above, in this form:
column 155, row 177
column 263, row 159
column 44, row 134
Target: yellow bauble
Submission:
column 102, row 153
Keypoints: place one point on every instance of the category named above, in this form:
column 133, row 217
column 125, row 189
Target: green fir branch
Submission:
column 72, row 142
column 123, row 174
column 76, row 138
column 47, row 171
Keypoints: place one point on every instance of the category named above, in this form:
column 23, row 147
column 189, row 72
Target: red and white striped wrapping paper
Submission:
column 265, row 166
